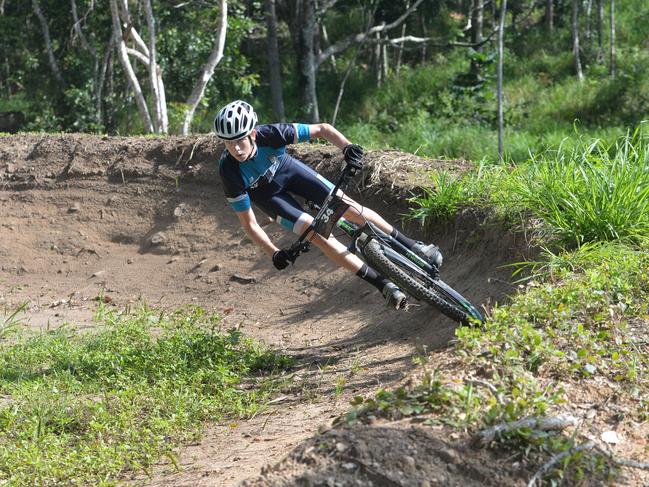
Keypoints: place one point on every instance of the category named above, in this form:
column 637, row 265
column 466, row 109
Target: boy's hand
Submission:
column 353, row 154
column 281, row 259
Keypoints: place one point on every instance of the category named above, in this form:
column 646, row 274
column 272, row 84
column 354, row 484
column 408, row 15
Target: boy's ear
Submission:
column 253, row 134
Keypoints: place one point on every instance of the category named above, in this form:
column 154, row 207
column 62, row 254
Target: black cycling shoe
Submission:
column 430, row 253
column 394, row 297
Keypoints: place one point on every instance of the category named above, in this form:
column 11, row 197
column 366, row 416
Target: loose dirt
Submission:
column 144, row 219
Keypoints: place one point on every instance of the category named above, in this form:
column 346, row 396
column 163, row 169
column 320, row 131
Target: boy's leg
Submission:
column 288, row 212
column 358, row 214
column 302, row 180
column 339, row 254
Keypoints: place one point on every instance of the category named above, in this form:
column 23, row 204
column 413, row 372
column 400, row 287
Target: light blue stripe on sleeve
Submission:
column 303, row 133
column 240, row 203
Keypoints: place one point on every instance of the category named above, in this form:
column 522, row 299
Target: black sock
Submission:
column 370, row 275
column 402, row 239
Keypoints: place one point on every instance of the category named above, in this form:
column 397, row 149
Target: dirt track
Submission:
column 145, row 219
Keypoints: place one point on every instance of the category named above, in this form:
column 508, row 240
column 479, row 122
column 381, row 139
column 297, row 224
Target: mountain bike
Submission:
column 386, row 255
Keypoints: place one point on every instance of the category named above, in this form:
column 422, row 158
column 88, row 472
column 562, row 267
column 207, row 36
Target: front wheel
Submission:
column 419, row 285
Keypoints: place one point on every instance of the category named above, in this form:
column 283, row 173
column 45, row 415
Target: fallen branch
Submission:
column 589, row 445
column 553, row 423
column 622, row 462
column 546, row 467
column 488, row 385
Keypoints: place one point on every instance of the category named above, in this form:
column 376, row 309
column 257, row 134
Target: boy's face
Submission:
column 241, row 149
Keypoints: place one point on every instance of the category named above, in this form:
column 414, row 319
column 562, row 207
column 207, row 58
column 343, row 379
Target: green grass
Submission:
column 84, row 408
column 584, row 191
column 588, row 194
column 447, row 195
column 572, row 321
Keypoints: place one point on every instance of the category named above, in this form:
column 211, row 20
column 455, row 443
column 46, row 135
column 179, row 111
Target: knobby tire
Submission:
column 413, row 286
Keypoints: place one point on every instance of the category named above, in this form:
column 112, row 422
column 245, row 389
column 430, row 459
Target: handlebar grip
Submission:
column 355, row 166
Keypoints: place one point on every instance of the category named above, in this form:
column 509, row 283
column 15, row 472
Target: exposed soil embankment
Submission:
column 145, row 219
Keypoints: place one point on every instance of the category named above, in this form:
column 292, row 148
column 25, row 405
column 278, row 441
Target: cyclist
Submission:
column 255, row 167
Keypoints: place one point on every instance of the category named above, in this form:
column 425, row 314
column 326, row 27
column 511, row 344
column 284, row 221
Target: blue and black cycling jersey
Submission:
column 272, row 177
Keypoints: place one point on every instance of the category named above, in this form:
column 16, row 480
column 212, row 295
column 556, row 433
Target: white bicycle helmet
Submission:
column 235, row 120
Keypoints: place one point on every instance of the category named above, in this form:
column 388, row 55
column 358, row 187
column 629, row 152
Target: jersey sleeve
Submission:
column 303, row 132
column 235, row 192
column 239, row 203
column 280, row 134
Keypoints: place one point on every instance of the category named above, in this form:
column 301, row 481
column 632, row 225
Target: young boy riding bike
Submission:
column 255, row 167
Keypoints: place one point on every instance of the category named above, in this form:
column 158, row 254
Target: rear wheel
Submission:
column 436, row 293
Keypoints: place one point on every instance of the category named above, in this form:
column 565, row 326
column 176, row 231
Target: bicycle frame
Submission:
column 324, row 215
column 330, row 215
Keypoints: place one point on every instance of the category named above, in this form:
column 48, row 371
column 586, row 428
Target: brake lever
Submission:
column 296, row 249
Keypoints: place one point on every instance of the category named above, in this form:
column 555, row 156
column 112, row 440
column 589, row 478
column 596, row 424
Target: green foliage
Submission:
column 585, row 191
column 432, row 110
column 82, row 408
column 590, row 193
column 576, row 322
column 11, row 322
column 439, row 104
column 448, row 194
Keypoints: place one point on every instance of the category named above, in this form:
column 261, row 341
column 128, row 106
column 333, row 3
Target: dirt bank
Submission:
column 145, row 219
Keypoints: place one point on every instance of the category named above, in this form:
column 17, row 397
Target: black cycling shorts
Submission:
column 293, row 178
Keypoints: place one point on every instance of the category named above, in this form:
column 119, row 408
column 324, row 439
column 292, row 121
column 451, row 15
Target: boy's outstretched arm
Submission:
column 353, row 153
column 329, row 133
column 255, row 232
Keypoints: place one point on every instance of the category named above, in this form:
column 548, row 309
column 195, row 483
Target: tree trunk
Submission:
column 208, row 70
column 342, row 87
column 501, row 38
column 378, row 72
column 424, row 46
column 400, row 48
column 159, row 124
column 476, row 36
column 98, row 76
column 48, row 42
column 575, row 40
column 275, row 77
column 101, row 81
column 77, row 28
column 109, row 117
column 128, row 69
column 385, row 62
column 307, row 62
column 600, row 30
column 549, row 15
column 325, row 38
column 589, row 9
column 125, row 16
column 612, row 66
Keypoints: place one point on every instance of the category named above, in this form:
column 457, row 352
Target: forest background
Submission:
column 420, row 76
